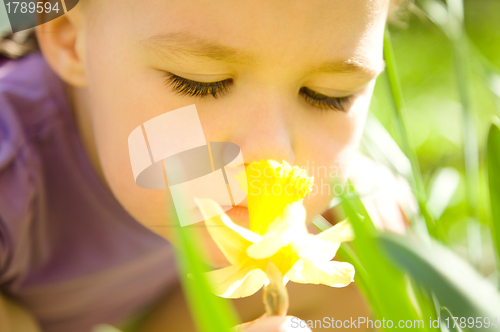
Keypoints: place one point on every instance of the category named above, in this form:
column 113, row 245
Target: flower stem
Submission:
column 275, row 294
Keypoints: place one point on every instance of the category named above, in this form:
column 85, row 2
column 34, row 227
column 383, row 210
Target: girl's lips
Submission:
column 238, row 214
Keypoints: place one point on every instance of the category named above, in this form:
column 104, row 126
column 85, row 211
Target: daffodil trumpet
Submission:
column 277, row 247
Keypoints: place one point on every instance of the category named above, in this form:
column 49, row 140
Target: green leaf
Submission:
column 385, row 287
column 493, row 166
column 379, row 144
column 450, row 18
column 447, row 321
column 399, row 107
column 453, row 281
column 210, row 312
column 443, row 186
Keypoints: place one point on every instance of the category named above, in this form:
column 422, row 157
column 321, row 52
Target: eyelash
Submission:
column 187, row 87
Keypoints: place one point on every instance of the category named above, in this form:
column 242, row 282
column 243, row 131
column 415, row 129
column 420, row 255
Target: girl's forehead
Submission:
column 264, row 20
column 253, row 31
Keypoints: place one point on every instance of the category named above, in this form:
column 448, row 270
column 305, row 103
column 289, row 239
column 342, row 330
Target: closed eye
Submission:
column 218, row 89
column 187, row 87
column 324, row 102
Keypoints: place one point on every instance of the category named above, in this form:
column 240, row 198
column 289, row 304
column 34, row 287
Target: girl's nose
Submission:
column 264, row 131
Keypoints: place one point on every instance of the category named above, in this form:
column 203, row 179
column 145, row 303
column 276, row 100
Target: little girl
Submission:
column 80, row 243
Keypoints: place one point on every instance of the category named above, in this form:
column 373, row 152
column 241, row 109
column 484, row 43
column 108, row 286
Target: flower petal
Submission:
column 295, row 216
column 324, row 246
column 282, row 231
column 317, row 249
column 236, row 281
column 340, row 232
column 268, row 246
column 232, row 239
column 331, row 273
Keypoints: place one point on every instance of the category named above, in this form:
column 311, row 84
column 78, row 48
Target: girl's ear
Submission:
column 61, row 42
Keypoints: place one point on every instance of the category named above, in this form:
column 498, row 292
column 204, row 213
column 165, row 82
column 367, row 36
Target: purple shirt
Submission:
column 69, row 252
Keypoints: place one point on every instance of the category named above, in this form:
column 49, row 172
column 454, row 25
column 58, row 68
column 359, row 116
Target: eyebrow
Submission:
column 179, row 44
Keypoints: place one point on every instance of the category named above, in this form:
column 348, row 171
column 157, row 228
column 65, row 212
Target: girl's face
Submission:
column 297, row 78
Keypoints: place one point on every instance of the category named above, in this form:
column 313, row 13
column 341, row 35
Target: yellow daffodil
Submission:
column 270, row 187
column 277, row 247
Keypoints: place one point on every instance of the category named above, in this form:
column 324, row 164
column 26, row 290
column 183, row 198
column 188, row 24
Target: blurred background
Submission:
column 435, row 92
column 4, row 20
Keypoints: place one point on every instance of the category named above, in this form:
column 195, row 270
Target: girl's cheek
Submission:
column 329, row 153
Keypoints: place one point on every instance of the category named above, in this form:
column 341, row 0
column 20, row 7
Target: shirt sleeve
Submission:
column 18, row 198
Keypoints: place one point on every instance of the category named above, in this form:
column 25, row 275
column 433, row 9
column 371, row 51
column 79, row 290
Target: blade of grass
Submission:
column 385, row 287
column 361, row 279
column 397, row 97
column 447, row 316
column 380, row 145
column 437, row 13
column 493, row 168
column 459, row 44
column 211, row 313
column 454, row 282
column 449, row 18
column 443, row 186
